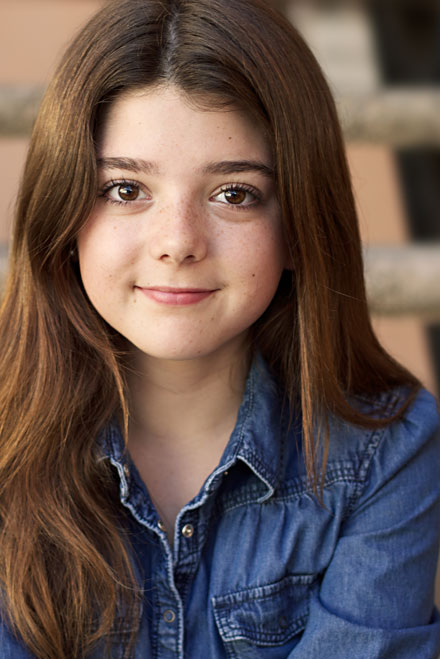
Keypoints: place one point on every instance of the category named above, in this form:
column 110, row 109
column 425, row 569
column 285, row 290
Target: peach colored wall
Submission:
column 34, row 33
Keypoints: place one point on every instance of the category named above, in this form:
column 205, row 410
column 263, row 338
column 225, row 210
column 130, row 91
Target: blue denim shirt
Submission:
column 259, row 569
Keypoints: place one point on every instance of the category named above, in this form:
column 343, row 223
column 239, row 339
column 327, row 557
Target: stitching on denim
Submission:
column 272, row 588
column 282, row 439
column 279, row 638
column 369, row 452
column 362, row 473
column 232, row 631
column 297, row 488
column 249, row 495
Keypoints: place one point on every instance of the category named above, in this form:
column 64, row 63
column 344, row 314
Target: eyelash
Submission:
column 258, row 198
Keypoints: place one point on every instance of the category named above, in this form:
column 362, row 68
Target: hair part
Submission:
column 65, row 557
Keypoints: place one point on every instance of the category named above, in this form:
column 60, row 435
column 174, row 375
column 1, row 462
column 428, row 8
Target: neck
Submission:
column 179, row 404
column 183, row 413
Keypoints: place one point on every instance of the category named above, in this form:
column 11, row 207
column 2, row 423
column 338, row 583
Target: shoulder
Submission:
column 418, row 424
column 362, row 461
column 401, row 458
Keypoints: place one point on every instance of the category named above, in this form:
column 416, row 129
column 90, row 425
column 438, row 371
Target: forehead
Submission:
column 164, row 122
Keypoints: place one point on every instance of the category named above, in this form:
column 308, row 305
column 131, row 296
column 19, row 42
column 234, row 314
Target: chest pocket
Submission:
column 266, row 621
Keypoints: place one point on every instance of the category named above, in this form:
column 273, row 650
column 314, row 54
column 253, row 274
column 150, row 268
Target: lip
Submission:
column 179, row 297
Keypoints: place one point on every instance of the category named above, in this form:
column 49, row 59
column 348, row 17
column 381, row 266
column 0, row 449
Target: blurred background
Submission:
column 382, row 60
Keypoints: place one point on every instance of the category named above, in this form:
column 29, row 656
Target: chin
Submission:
column 187, row 349
column 173, row 352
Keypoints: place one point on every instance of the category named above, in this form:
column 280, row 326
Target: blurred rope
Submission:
column 403, row 279
column 18, row 109
column 398, row 117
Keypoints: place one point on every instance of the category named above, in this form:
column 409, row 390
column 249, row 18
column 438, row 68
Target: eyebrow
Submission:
column 130, row 164
column 138, row 165
column 236, row 166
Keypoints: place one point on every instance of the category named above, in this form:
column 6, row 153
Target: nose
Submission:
column 180, row 234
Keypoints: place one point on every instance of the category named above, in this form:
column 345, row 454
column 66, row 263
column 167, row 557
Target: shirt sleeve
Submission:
column 376, row 596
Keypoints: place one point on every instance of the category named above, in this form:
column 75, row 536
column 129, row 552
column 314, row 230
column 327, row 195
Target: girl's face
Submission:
column 183, row 250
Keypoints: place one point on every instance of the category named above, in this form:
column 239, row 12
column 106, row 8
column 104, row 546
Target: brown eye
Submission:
column 235, row 196
column 239, row 196
column 123, row 193
column 128, row 192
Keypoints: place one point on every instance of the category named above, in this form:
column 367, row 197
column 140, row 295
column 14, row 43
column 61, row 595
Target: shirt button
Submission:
column 283, row 622
column 188, row 530
column 161, row 525
column 169, row 616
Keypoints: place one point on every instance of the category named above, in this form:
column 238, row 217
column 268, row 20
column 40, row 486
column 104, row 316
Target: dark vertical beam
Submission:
column 408, row 40
column 408, row 44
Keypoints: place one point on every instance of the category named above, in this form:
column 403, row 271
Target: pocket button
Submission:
column 283, row 622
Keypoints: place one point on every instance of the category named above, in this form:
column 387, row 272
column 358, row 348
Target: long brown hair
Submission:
column 65, row 564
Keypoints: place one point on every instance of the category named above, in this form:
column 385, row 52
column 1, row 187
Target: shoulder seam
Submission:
column 367, row 456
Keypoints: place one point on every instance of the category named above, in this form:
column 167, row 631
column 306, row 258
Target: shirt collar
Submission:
column 260, row 432
column 257, row 439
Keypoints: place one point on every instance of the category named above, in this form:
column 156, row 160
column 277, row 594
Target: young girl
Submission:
column 205, row 453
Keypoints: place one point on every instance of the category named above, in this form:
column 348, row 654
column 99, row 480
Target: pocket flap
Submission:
column 265, row 615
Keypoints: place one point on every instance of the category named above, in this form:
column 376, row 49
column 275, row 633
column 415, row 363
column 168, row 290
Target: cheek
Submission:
column 259, row 263
column 261, row 252
column 103, row 250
